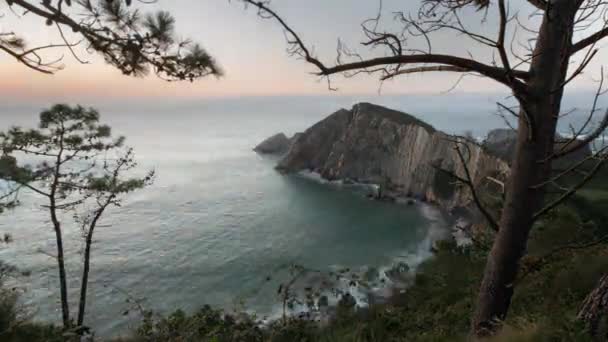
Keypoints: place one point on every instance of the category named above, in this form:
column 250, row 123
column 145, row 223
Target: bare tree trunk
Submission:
column 85, row 279
column 536, row 134
column 595, row 308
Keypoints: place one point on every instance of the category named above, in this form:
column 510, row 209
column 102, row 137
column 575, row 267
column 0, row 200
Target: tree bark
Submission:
column 63, row 283
column 65, row 308
column 87, row 261
column 595, row 308
column 85, row 279
column 536, row 133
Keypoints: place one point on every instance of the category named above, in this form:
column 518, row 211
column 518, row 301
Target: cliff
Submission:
column 400, row 153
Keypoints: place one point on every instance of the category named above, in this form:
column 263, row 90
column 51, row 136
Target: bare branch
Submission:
column 298, row 47
column 592, row 39
column 424, row 69
column 572, row 190
column 468, row 181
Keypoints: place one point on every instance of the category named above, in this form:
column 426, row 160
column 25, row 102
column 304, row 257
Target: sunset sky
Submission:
column 250, row 50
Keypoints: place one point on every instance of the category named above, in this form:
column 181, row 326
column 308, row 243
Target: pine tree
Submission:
column 128, row 40
column 78, row 169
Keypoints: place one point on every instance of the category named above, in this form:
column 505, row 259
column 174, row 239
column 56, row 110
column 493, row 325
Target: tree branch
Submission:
column 571, row 191
column 589, row 138
column 468, row 181
column 539, row 4
column 444, row 68
column 298, row 47
column 592, row 39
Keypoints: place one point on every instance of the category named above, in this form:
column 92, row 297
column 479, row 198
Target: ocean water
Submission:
column 220, row 226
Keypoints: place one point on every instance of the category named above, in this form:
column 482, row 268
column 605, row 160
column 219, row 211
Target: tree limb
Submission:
column 589, row 138
column 592, row 39
column 468, row 181
column 422, row 69
column 573, row 189
column 539, row 4
column 498, row 74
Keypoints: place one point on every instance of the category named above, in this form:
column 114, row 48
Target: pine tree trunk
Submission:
column 87, row 263
column 65, row 308
column 595, row 308
column 536, row 133
column 85, row 280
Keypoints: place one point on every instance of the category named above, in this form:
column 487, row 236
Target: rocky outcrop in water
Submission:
column 276, row 144
column 398, row 152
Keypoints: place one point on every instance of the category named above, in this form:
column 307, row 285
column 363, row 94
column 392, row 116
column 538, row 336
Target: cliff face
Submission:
column 373, row 144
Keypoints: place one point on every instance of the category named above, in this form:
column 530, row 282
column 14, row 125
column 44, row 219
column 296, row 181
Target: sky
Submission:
column 252, row 53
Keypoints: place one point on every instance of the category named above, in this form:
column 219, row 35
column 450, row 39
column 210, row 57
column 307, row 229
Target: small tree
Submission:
column 77, row 168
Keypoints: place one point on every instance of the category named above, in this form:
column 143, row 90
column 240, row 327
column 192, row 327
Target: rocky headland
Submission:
column 399, row 153
column 401, row 156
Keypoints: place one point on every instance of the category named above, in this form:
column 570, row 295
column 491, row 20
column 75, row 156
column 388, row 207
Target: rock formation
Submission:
column 276, row 144
column 398, row 152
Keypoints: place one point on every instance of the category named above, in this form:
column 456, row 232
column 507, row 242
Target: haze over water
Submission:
column 219, row 219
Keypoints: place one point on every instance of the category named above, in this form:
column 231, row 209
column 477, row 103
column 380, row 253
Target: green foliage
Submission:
column 207, row 324
column 66, row 152
column 131, row 42
column 14, row 324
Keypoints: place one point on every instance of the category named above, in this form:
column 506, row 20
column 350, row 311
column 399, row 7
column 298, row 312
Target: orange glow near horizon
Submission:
column 102, row 81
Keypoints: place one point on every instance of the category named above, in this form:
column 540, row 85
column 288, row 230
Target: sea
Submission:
column 220, row 226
